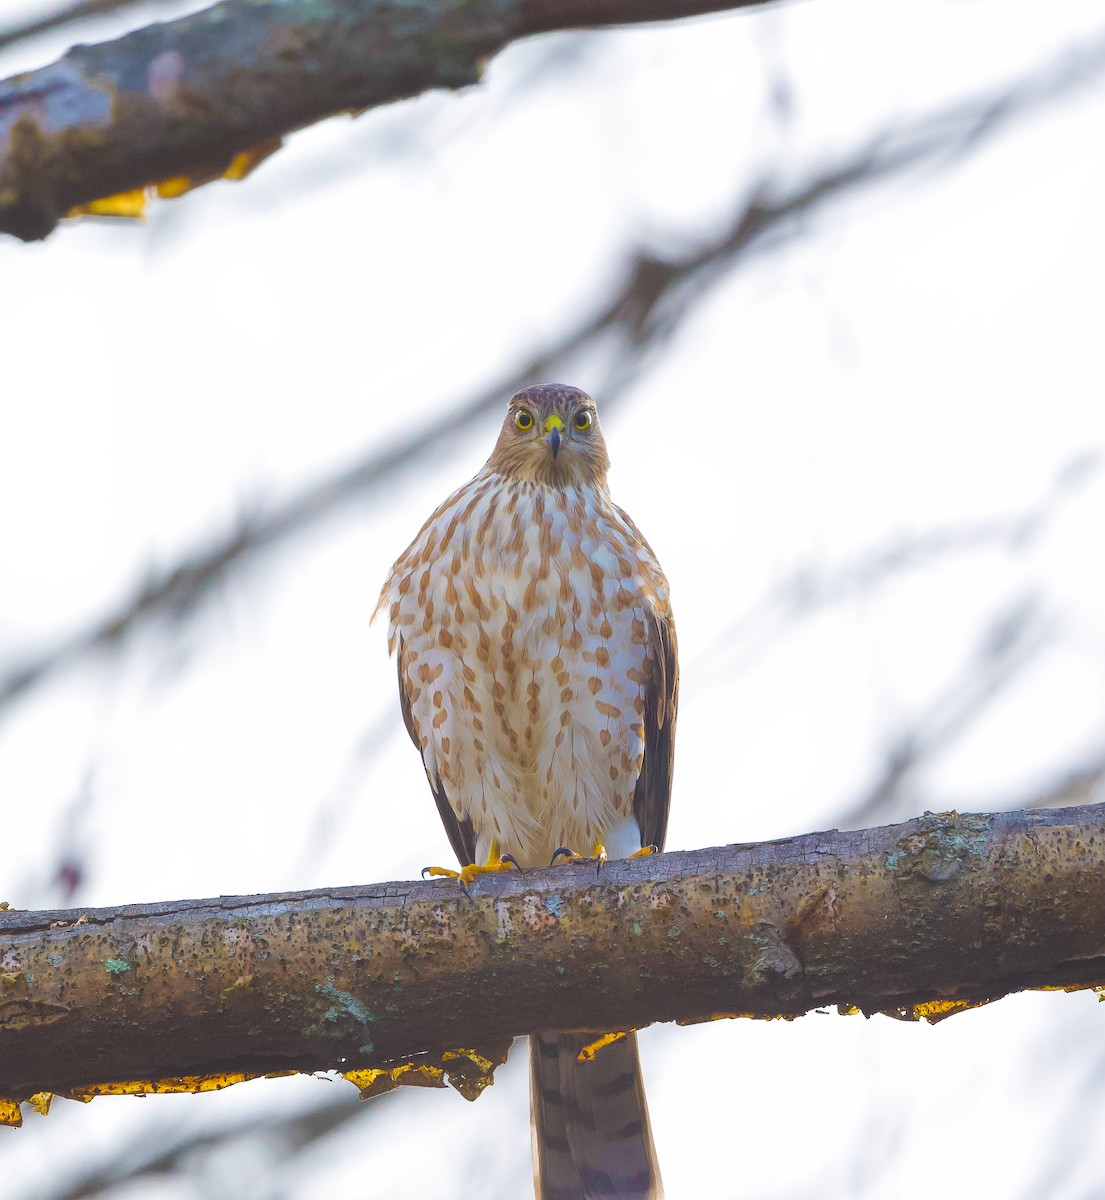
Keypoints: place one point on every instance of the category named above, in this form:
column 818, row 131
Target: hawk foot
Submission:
column 578, row 860
column 599, row 857
column 472, row 871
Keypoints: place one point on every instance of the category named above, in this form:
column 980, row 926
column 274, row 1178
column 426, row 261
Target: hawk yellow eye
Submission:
column 523, row 419
column 582, row 420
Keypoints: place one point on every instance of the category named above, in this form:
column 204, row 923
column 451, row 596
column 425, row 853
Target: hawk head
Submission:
column 551, row 435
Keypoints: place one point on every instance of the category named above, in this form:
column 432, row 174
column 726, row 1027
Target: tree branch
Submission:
column 192, row 100
column 921, row 919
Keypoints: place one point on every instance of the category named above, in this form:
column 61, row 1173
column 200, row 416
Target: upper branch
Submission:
column 193, row 99
column 923, row 918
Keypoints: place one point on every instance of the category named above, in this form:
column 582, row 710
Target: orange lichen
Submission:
column 132, row 204
column 470, row 1072
column 592, row 1048
column 129, row 205
column 936, row 1010
column 737, row 1016
column 153, row 1087
column 10, row 1112
column 247, row 161
column 169, row 189
column 373, row 1081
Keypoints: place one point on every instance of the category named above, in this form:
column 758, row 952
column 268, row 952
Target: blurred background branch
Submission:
column 655, row 296
column 184, row 1158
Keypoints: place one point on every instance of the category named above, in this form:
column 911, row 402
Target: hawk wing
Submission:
column 462, row 837
column 653, row 793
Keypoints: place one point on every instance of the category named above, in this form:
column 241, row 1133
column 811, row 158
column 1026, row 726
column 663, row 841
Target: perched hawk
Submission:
column 538, row 679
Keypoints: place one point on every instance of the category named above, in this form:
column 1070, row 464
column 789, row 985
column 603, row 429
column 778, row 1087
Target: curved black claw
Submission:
column 562, row 852
column 509, row 858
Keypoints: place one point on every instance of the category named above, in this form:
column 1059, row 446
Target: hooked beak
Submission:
column 553, row 427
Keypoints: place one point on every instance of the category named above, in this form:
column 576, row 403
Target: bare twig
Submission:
column 1011, row 642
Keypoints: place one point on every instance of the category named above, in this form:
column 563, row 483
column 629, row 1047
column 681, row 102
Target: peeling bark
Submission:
column 919, row 919
column 188, row 101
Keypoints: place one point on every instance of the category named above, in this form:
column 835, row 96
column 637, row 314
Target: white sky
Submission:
column 927, row 354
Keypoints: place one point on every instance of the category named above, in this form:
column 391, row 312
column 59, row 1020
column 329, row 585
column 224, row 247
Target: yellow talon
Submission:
column 600, row 856
column 448, row 872
column 472, row 871
column 577, row 860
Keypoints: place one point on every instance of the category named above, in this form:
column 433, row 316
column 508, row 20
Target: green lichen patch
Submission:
column 937, row 852
column 346, row 1002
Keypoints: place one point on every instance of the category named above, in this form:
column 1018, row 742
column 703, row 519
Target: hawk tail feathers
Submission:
column 591, row 1134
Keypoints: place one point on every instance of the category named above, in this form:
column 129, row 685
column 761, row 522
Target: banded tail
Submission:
column 591, row 1134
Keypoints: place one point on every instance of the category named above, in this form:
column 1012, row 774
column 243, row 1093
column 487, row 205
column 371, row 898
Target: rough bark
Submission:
column 210, row 94
column 919, row 919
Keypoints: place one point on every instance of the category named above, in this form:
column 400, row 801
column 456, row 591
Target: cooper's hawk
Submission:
column 538, row 679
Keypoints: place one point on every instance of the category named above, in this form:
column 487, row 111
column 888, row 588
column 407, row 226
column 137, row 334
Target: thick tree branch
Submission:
column 184, row 101
column 920, row 919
